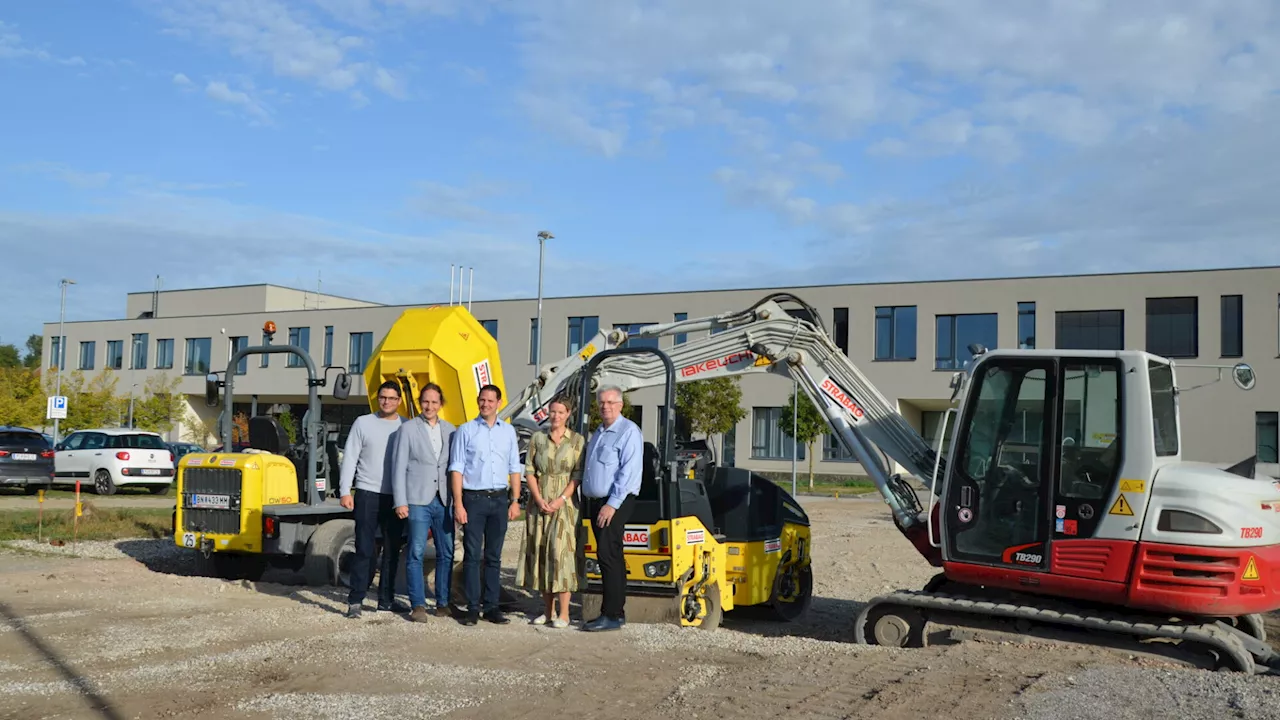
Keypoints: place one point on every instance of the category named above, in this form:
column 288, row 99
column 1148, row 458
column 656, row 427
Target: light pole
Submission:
column 131, row 391
column 62, row 351
column 543, row 237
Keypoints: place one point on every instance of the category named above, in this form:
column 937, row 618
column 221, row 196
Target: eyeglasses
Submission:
column 386, row 398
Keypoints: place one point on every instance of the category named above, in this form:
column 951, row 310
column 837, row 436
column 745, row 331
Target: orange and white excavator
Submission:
column 1063, row 500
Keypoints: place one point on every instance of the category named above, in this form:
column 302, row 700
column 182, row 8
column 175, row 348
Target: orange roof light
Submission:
column 269, row 328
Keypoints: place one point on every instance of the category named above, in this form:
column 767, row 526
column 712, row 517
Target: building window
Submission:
column 1268, row 434
column 328, row 345
column 768, row 442
column 729, row 446
column 834, row 451
column 896, row 333
column 164, row 354
column 931, row 423
column 360, row 350
column 581, row 330
column 955, row 333
column 681, row 430
column 115, row 355
column 1173, row 327
column 197, row 361
column 1089, row 330
column 840, row 328
column 1232, row 326
column 1026, row 326
column 266, row 359
column 58, row 352
column 636, row 341
column 491, row 327
column 681, row 338
column 138, row 359
column 236, row 345
column 88, row 350
column 301, row 337
column 533, row 341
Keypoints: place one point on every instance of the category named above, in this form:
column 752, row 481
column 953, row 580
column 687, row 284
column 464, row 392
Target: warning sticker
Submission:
column 1120, row 507
column 772, row 546
column 694, row 537
column 1250, row 570
column 1134, row 486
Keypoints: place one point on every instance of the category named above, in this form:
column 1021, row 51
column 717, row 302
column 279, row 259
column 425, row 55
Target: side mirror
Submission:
column 1243, row 376
column 342, row 386
column 59, row 447
column 211, row 390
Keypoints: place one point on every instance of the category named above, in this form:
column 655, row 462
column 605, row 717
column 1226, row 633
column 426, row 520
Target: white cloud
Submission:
column 13, row 47
column 435, row 200
column 181, row 80
column 65, row 173
column 220, row 91
column 390, row 83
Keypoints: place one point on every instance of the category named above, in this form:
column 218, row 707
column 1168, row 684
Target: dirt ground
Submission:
column 123, row 638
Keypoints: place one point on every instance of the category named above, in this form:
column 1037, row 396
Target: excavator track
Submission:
column 908, row 611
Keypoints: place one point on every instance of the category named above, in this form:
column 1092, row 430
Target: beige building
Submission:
column 907, row 337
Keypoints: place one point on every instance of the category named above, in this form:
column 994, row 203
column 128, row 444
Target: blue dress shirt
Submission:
column 486, row 456
column 613, row 463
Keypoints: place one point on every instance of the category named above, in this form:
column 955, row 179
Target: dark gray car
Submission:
column 26, row 459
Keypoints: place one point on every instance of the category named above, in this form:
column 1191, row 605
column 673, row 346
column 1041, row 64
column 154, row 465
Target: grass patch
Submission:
column 95, row 524
column 86, row 492
column 828, row 485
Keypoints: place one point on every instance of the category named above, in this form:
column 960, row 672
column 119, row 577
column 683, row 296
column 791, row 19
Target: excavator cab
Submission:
column 702, row 539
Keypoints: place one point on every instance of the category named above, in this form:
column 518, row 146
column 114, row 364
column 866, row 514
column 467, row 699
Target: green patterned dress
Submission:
column 550, row 549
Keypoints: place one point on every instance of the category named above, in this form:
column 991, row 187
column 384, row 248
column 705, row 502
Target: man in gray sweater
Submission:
column 420, row 483
column 366, row 463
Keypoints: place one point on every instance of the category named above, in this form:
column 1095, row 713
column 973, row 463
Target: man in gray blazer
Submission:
column 420, row 485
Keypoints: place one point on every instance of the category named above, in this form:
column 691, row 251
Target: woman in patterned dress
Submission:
column 553, row 469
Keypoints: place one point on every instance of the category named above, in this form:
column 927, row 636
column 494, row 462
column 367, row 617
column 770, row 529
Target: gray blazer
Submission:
column 418, row 474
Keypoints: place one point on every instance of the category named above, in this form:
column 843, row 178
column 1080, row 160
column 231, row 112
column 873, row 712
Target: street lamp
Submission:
column 62, row 350
column 543, row 237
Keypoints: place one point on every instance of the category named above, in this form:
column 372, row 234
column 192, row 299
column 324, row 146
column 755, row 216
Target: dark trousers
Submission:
column 613, row 567
column 374, row 511
column 482, row 539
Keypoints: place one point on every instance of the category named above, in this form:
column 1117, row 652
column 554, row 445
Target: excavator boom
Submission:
column 764, row 338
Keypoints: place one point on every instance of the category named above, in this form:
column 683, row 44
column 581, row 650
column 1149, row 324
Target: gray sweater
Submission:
column 367, row 457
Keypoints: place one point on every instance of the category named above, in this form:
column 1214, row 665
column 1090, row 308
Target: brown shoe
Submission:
column 443, row 612
column 419, row 614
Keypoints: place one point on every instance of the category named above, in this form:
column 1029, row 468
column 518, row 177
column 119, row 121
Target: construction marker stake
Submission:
column 75, row 522
column 40, row 516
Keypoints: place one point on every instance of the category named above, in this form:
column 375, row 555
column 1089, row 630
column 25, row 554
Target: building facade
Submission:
column 907, row 337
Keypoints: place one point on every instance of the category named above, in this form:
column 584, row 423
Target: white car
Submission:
column 111, row 458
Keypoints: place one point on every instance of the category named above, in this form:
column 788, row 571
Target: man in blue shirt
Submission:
column 484, row 477
column 611, row 481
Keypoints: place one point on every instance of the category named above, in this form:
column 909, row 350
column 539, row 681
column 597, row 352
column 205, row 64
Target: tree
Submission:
column 91, row 403
column 712, row 406
column 22, row 402
column 593, row 413
column 35, row 349
column 9, row 357
column 809, row 425
column 159, row 405
column 290, row 426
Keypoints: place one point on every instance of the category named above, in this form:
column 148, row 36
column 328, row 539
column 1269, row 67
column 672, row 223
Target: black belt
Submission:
column 489, row 493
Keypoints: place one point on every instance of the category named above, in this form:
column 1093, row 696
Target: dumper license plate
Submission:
column 214, row 502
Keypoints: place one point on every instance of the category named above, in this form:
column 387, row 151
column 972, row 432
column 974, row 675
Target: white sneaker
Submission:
column 560, row 623
column 540, row 620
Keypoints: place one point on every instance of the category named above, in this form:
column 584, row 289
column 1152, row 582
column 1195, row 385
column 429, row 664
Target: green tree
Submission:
column 593, row 413
column 809, row 425
column 91, row 403
column 9, row 356
column 710, row 407
column 159, row 405
column 35, row 348
column 290, row 426
column 22, row 401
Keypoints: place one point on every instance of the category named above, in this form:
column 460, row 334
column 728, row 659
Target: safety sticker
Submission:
column 1133, row 486
column 1060, row 511
column 694, row 537
column 1070, row 527
column 965, row 515
column 635, row 536
column 772, row 546
column 1250, row 570
column 227, row 462
column 1060, row 525
column 1120, row 507
column 195, row 461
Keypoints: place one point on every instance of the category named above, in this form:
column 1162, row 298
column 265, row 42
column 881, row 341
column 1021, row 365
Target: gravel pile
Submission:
column 350, row 705
column 160, row 555
column 1137, row 693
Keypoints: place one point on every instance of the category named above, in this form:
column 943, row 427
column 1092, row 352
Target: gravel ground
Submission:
column 129, row 621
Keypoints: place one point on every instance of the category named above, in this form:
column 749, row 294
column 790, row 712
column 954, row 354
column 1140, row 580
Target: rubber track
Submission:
column 1208, row 634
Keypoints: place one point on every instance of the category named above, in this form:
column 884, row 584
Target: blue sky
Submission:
column 667, row 144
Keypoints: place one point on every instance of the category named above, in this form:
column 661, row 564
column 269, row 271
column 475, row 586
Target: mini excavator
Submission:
column 1062, row 503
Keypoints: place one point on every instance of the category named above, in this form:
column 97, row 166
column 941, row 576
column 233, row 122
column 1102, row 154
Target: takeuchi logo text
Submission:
column 728, row 361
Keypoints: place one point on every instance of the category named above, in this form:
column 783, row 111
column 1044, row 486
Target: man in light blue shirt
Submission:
column 610, row 482
column 484, row 477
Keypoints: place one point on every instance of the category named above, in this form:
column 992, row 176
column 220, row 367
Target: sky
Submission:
column 367, row 145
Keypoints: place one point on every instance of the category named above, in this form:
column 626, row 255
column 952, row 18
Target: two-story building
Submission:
column 907, row 337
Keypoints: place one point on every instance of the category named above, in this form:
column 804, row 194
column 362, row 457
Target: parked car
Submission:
column 183, row 448
column 26, row 459
column 112, row 458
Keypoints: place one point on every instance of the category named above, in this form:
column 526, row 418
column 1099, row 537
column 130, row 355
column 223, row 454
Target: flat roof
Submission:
column 251, row 285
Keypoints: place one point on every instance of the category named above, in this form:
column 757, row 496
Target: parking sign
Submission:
column 57, row 409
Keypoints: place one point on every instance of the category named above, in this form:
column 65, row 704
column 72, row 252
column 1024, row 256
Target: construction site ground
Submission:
column 125, row 631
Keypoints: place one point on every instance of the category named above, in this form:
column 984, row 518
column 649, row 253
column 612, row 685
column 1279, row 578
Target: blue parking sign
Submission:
column 57, row 409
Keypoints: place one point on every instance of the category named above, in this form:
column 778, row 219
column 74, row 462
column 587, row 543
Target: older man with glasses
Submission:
column 366, row 464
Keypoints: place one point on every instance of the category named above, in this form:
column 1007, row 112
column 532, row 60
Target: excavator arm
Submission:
column 764, row 338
